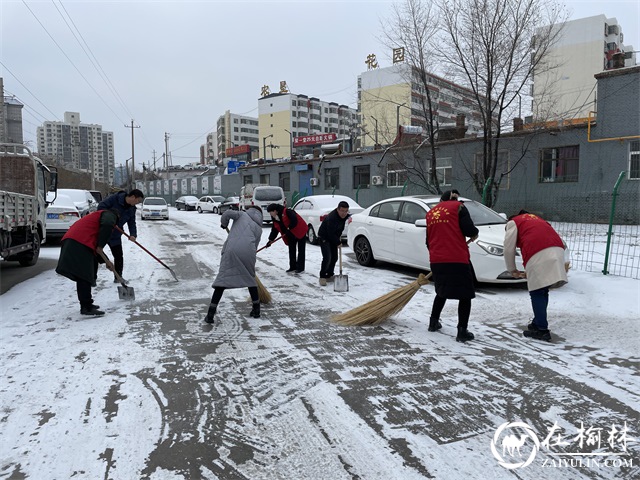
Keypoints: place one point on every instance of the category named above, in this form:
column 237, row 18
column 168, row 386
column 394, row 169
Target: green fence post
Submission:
column 613, row 211
column 484, row 190
column 357, row 192
column 294, row 197
column 404, row 187
column 334, row 191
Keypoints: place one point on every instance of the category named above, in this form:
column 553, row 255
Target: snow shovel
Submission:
column 341, row 282
column 124, row 292
column 154, row 257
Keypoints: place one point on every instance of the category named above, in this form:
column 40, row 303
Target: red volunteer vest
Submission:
column 300, row 229
column 85, row 230
column 534, row 235
column 446, row 241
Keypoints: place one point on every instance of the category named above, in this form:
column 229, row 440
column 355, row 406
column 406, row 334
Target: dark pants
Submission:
column 296, row 262
column 84, row 291
column 329, row 258
column 464, row 310
column 218, row 291
column 539, row 302
column 118, row 259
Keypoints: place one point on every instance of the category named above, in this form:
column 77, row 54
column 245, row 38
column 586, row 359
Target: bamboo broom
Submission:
column 380, row 309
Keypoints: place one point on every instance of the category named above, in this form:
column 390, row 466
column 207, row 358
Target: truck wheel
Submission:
column 31, row 258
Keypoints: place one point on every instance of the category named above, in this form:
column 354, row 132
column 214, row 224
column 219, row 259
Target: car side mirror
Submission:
column 504, row 215
column 421, row 223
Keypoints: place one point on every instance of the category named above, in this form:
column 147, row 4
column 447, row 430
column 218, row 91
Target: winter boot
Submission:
column 434, row 324
column 538, row 334
column 532, row 327
column 323, row 282
column 255, row 311
column 211, row 313
column 464, row 335
column 92, row 310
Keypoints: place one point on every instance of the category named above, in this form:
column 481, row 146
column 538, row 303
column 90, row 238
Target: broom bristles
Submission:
column 380, row 309
column 263, row 293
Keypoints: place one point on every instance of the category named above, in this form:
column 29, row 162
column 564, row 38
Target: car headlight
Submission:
column 491, row 248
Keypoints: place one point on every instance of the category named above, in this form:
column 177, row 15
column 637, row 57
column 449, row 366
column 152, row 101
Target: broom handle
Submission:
column 262, row 248
column 340, row 247
column 136, row 242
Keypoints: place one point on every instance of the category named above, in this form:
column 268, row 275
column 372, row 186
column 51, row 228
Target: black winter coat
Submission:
column 332, row 227
column 127, row 215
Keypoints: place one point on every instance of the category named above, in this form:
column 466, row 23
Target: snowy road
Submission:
column 150, row 391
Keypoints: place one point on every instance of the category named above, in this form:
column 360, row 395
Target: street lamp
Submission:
column 264, row 146
column 398, row 117
column 290, row 143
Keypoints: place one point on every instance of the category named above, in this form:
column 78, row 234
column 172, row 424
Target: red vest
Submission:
column 85, row 230
column 446, row 241
column 299, row 231
column 534, row 235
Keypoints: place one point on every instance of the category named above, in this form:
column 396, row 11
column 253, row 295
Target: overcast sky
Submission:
column 177, row 66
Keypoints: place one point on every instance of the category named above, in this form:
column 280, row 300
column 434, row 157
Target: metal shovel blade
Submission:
column 126, row 293
column 341, row 283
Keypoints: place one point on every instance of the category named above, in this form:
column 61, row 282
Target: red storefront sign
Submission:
column 314, row 139
column 237, row 150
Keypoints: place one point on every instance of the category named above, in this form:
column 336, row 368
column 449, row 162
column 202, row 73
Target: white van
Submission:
column 261, row 196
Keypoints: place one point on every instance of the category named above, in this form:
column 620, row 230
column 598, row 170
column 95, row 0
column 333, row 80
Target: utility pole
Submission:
column 154, row 160
column 166, row 165
column 133, row 164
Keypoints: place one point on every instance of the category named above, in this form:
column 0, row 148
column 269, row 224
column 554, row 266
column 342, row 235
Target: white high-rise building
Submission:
column 78, row 145
column 237, row 135
column 564, row 87
column 287, row 118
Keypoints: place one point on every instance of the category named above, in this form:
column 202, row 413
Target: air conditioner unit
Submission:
column 376, row 180
column 314, row 182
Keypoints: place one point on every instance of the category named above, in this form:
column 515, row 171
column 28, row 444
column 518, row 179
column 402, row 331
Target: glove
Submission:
column 268, row 244
column 224, row 227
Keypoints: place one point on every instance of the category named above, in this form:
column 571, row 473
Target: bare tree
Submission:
column 494, row 47
column 414, row 25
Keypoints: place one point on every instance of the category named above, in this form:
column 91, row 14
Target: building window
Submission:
column 559, row 164
column 361, row 176
column 503, row 167
column 396, row 175
column 284, row 181
column 634, row 160
column 264, row 178
column 247, row 179
column 331, row 178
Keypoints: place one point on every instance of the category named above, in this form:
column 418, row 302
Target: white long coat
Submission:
column 238, row 258
column 544, row 269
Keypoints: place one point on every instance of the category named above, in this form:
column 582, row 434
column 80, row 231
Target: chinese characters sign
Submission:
column 314, row 139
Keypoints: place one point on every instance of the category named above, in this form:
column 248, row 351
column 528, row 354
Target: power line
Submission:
column 27, row 89
column 70, row 61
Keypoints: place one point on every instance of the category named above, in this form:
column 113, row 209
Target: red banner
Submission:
column 314, row 139
column 237, row 150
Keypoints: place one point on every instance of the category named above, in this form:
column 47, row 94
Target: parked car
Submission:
column 187, row 202
column 154, row 207
column 209, row 203
column 96, row 195
column 229, row 203
column 83, row 200
column 61, row 214
column 393, row 230
column 315, row 208
column 261, row 196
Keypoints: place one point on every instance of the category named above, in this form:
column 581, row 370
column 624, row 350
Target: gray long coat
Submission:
column 238, row 261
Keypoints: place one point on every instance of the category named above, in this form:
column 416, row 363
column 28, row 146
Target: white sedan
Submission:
column 154, row 207
column 209, row 203
column 61, row 214
column 314, row 208
column 392, row 230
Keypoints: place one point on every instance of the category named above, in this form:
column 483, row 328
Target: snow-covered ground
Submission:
column 150, row 391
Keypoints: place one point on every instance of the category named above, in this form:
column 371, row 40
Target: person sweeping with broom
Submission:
column 238, row 258
column 448, row 223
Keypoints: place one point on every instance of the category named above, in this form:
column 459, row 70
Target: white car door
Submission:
column 380, row 227
column 410, row 241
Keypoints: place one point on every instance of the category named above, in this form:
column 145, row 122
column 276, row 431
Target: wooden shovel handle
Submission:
column 118, row 277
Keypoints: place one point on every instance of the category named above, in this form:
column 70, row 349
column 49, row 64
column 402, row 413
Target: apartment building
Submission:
column 237, row 132
column 564, row 86
column 77, row 145
column 393, row 96
column 294, row 123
